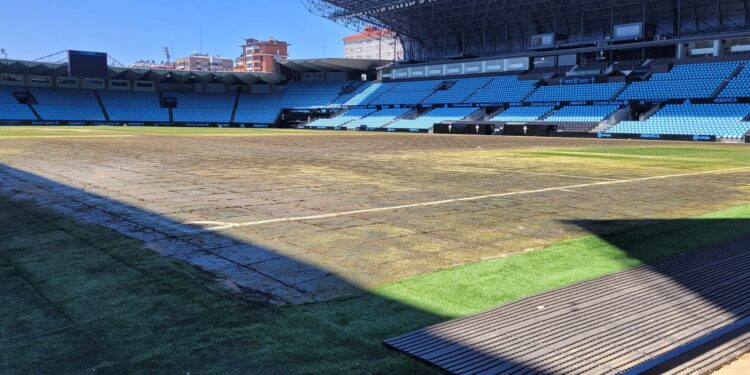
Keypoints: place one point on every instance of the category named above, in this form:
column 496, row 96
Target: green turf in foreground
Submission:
column 77, row 298
column 479, row 286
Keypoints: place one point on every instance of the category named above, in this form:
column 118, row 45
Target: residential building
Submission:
column 202, row 62
column 261, row 55
column 373, row 43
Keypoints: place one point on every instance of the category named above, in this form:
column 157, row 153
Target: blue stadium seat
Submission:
column 266, row 108
column 67, row 104
column 435, row 116
column 312, row 94
column 406, row 93
column 738, row 87
column 505, row 89
column 522, row 114
column 580, row 92
column 379, row 119
column 582, row 113
column 342, row 120
column 134, row 106
column 195, row 107
column 360, row 87
column 686, row 81
column 10, row 108
column 458, row 91
column 722, row 120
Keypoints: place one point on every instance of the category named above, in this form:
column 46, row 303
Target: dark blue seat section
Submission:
column 10, row 108
column 67, row 104
column 134, row 106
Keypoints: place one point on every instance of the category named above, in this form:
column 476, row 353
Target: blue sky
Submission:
column 130, row 30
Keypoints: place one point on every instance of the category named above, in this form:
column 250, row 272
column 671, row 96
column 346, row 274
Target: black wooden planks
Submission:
column 606, row 325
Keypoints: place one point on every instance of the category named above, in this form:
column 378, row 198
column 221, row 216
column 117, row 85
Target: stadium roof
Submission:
column 432, row 29
column 333, row 65
column 54, row 69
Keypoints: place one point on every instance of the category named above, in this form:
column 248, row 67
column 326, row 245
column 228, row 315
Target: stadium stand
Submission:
column 133, row 106
column 10, row 108
column 343, row 119
column 588, row 69
column 595, row 113
column 457, row 91
column 258, row 109
column 739, row 86
column 303, row 95
column 721, row 120
column 523, row 114
column 685, row 81
column 194, row 107
column 505, row 89
column 407, row 93
column 694, row 79
column 369, row 93
column 360, row 87
column 580, row 92
column 67, row 104
column 435, row 116
column 379, row 118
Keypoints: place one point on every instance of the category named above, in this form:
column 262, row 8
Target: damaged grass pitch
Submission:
column 79, row 298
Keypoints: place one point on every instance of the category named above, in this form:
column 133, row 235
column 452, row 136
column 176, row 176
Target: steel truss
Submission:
column 436, row 29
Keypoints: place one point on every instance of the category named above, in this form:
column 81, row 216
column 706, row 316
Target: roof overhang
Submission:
column 333, row 65
column 156, row 75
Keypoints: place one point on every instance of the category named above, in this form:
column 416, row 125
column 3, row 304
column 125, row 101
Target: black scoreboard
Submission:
column 87, row 64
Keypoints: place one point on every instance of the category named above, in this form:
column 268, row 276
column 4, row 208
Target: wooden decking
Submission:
column 604, row 326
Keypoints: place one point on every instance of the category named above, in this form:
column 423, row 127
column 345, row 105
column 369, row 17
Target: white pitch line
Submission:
column 220, row 225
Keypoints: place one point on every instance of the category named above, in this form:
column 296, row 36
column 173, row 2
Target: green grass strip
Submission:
column 479, row 286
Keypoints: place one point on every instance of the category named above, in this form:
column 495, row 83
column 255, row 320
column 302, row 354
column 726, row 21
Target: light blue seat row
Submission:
column 685, row 81
column 378, row 119
column 721, row 120
column 312, row 94
column 407, row 93
column 582, row 113
column 458, row 91
column 522, row 114
column 581, row 92
column 505, row 89
column 739, row 86
column 368, row 93
column 343, row 119
column 338, row 102
column 435, row 116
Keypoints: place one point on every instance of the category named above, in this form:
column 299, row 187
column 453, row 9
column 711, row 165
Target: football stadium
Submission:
column 531, row 187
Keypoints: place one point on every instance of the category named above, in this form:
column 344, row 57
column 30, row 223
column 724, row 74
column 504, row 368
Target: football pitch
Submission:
column 275, row 251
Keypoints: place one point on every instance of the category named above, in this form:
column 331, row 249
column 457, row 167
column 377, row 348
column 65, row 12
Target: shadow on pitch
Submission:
column 217, row 334
column 186, row 326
